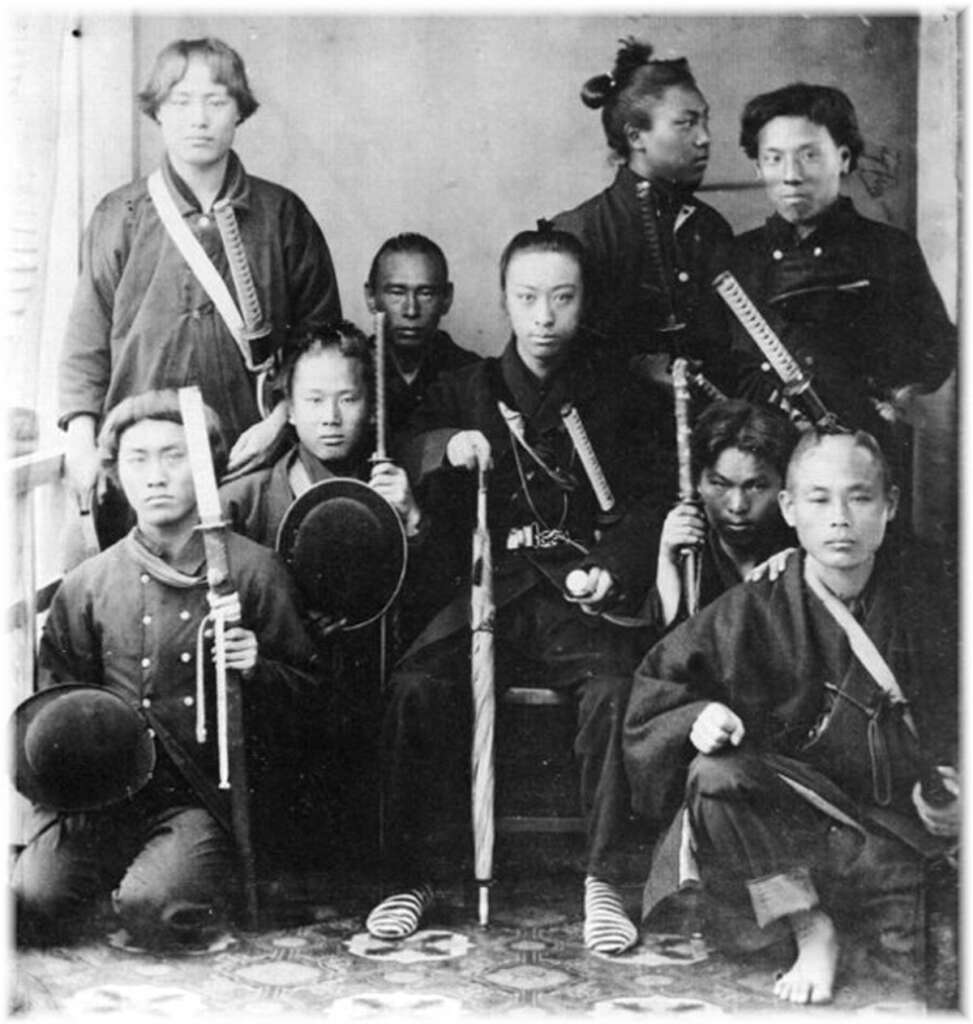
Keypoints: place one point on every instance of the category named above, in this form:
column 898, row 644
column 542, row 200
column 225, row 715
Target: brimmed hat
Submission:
column 346, row 548
column 80, row 748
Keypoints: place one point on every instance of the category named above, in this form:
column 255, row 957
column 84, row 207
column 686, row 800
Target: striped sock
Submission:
column 398, row 916
column 607, row 928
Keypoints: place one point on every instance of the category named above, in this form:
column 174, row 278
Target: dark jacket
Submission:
column 141, row 320
column 113, row 624
column 629, row 298
column 854, row 304
column 633, row 447
column 402, row 397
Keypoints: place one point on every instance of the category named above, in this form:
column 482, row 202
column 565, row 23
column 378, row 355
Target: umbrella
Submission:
column 482, row 614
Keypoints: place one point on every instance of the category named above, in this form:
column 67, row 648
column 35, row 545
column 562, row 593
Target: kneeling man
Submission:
column 130, row 620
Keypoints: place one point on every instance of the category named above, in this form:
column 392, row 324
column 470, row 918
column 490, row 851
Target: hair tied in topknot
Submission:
column 545, row 227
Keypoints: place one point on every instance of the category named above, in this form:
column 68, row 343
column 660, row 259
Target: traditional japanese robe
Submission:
column 632, row 292
column 141, row 320
column 767, row 650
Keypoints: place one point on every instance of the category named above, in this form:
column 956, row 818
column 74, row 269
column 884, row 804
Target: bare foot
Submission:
column 811, row 977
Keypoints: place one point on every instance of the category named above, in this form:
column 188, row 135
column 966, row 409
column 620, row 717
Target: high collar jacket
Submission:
column 854, row 304
column 113, row 624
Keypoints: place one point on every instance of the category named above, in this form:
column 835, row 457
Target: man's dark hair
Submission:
column 409, row 242
column 154, row 405
column 546, row 238
column 224, row 62
column 820, row 104
column 342, row 336
column 761, row 430
column 621, row 94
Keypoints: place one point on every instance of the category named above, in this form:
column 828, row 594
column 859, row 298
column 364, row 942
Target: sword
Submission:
column 229, row 699
column 797, row 385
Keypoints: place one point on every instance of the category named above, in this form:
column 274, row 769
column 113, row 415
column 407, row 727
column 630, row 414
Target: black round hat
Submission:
column 346, row 548
column 80, row 748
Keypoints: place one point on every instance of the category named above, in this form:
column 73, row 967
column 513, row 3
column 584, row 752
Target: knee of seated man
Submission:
column 725, row 775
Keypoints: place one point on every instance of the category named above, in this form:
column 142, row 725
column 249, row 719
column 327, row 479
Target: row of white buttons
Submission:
column 188, row 701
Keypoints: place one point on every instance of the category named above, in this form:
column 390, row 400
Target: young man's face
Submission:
column 676, row 147
column 543, row 299
column 198, row 118
column 329, row 404
column 155, row 474
column 739, row 494
column 410, row 291
column 837, row 503
column 801, row 167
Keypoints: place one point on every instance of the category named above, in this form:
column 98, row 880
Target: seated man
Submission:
column 739, row 454
column 409, row 283
column 127, row 619
column 796, row 716
column 556, row 574
column 328, row 386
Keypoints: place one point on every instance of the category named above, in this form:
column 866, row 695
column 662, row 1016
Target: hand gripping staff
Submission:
column 482, row 614
column 690, row 557
column 797, row 385
column 225, row 609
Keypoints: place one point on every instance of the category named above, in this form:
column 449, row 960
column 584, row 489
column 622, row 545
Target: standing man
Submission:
column 129, row 619
column 409, row 282
column 142, row 318
column 851, row 298
column 793, row 719
column 655, row 247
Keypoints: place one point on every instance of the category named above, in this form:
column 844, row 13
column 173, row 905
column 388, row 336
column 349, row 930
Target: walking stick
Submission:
column 231, row 745
column 484, row 700
column 690, row 558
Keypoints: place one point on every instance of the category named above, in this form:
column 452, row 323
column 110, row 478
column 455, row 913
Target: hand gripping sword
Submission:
column 229, row 699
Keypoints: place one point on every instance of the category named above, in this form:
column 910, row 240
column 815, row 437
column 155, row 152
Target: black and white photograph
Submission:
column 483, row 496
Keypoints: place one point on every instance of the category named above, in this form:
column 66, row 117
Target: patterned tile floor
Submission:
column 314, row 961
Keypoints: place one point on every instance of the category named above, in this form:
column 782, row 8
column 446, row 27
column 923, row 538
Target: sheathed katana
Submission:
column 231, row 747
column 797, row 385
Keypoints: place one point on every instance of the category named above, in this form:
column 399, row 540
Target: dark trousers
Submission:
column 762, row 844
column 171, row 873
column 540, row 640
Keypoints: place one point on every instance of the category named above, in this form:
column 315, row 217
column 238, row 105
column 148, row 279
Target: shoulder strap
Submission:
column 862, row 645
column 200, row 264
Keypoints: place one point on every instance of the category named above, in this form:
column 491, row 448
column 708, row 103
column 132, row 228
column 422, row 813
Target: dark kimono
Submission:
column 635, row 292
column 717, row 574
column 540, row 638
column 402, row 397
column 773, row 653
column 141, row 320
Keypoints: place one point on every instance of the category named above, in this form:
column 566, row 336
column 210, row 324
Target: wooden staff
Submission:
column 229, row 698
column 482, row 614
column 690, row 559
